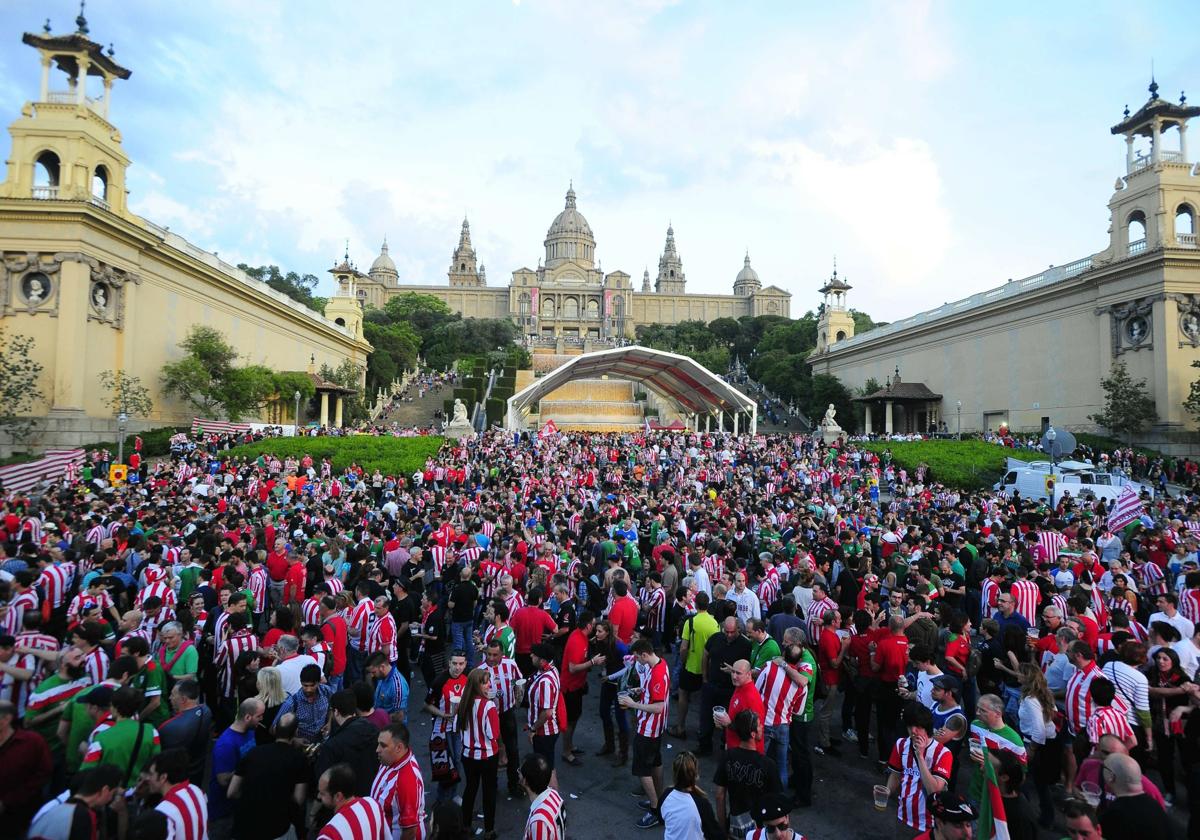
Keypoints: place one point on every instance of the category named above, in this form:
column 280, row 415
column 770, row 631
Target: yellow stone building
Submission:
column 99, row 288
column 1031, row 352
column 568, row 301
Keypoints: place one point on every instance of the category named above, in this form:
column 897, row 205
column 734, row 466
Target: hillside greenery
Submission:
column 390, row 455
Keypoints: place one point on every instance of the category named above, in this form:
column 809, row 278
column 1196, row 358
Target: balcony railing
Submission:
column 1146, row 161
column 1137, row 246
column 1187, row 240
column 45, row 193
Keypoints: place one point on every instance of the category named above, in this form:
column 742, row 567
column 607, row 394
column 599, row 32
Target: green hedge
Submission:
column 495, row 409
column 467, row 395
column 391, row 455
column 155, row 443
column 965, row 464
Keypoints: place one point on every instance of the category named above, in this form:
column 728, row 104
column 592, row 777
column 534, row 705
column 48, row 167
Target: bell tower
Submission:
column 463, row 271
column 671, row 279
column 1156, row 201
column 345, row 307
column 63, row 146
column 836, row 323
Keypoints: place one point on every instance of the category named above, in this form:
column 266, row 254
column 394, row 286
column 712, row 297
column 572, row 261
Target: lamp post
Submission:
column 958, row 410
column 122, row 419
column 1052, row 436
column 296, row 416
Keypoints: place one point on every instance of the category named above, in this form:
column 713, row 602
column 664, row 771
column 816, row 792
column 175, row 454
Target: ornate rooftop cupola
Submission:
column 746, row 283
column 569, row 238
column 836, row 322
column 1157, row 199
column 64, row 147
column 671, row 279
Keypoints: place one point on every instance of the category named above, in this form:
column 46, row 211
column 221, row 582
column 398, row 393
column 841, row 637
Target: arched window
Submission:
column 100, row 183
column 462, row 266
column 45, row 175
column 593, row 308
column 523, row 304
column 571, row 308
column 1185, row 224
column 841, row 335
column 341, row 322
column 1137, row 232
column 672, row 272
column 548, row 308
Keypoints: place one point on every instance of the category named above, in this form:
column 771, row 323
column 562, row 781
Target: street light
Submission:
column 296, row 416
column 958, row 409
column 122, row 419
column 1052, row 436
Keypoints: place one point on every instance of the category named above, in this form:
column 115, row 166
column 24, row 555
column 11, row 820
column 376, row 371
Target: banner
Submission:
column 217, row 427
column 548, row 429
column 993, row 822
column 1125, row 509
column 52, row 466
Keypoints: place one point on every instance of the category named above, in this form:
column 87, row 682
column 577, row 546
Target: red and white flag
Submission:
column 548, row 429
column 1125, row 509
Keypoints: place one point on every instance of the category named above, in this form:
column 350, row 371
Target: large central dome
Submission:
column 569, row 238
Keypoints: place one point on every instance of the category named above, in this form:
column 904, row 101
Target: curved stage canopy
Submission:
column 693, row 389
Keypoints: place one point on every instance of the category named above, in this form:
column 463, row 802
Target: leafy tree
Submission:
column 1128, row 406
column 396, row 348
column 19, row 391
column 863, row 322
column 348, row 375
column 298, row 287
column 126, row 393
column 423, row 313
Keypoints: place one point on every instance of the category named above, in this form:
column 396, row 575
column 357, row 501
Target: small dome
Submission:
column 383, row 262
column 570, row 220
column 747, row 274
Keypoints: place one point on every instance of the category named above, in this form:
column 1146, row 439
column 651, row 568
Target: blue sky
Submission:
column 937, row 149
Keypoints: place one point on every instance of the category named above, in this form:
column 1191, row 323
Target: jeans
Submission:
column 825, row 714
column 481, row 772
column 711, row 695
column 356, row 661
column 800, row 754
column 777, row 738
column 460, row 639
column 864, row 695
column 609, row 707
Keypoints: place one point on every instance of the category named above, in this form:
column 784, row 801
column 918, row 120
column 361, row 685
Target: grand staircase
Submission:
column 593, row 405
column 419, row 412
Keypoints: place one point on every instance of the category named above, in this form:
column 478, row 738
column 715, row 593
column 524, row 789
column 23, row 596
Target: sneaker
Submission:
column 645, row 805
column 818, row 749
column 649, row 820
column 850, row 735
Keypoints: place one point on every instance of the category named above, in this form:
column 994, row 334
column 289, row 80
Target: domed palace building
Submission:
column 568, row 302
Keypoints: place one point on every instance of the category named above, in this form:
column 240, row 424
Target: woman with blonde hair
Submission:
column 272, row 695
column 684, row 808
column 1035, row 717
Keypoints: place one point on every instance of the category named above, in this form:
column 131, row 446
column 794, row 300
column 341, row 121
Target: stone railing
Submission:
column 45, row 193
column 1186, row 240
column 1013, row 288
column 1137, row 246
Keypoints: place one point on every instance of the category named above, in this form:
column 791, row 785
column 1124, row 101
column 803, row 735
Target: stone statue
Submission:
column 99, row 298
column 35, row 290
column 460, row 425
column 829, row 428
column 830, row 414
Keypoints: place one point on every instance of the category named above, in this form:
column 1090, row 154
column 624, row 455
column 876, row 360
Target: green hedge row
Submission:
column 965, row 464
column 390, row 455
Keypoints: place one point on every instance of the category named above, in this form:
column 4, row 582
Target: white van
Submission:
column 1082, row 479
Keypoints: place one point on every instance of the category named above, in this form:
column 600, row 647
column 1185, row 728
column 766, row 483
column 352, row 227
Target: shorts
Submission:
column 574, row 703
column 689, row 682
column 543, row 745
column 647, row 754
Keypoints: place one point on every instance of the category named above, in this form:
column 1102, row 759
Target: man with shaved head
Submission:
column 1132, row 814
column 745, row 698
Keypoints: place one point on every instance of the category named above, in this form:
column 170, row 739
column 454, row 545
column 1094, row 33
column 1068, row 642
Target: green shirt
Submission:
column 50, row 694
column 809, row 665
column 189, row 576
column 115, row 745
column 508, row 641
column 1006, row 733
column 696, row 631
column 187, row 663
column 151, row 682
column 761, row 654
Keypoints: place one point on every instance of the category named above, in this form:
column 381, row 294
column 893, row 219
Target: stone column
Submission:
column 1128, row 153
column 337, row 411
column 1156, row 139
column 70, row 345
column 107, row 95
column 1183, row 153
column 887, row 417
column 324, row 408
column 45, row 79
column 867, row 419
column 736, row 415
column 81, row 83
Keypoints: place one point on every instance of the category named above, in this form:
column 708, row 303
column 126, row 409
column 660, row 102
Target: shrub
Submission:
column 155, row 442
column 390, row 455
column 495, row 409
column 965, row 464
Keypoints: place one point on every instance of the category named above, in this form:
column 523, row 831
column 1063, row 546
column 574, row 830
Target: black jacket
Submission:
column 353, row 743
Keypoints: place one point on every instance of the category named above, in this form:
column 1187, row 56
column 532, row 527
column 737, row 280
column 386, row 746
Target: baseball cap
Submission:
column 771, row 807
column 947, row 681
column 951, row 808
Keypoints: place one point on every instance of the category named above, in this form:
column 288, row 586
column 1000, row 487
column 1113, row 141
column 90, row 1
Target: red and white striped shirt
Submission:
column 816, row 617
column 655, row 689
column 543, row 694
column 382, row 637
column 504, row 678
column 768, row 590
column 257, row 582
column 655, row 603
column 157, row 589
column 1111, row 720
column 96, row 665
column 102, row 599
column 55, row 581
column 1189, row 605
column 912, row 811
column 514, row 602
column 310, row 610
column 989, row 596
column 1050, row 543
column 227, row 656
column 545, row 820
column 400, row 792
column 481, row 739
column 13, row 690
column 1079, row 697
column 186, row 809
column 1027, row 596
column 14, row 620
column 780, row 695
column 359, row 819
column 358, row 623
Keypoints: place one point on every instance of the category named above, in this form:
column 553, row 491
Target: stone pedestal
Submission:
column 458, row 431
column 831, row 434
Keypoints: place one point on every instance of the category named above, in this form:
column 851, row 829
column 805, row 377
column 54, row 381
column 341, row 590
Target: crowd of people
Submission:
column 254, row 661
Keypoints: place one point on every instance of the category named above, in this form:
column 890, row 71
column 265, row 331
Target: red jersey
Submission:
column 575, row 653
column 359, row 819
column 186, row 809
column 481, row 739
column 892, row 655
column 745, row 697
column 781, row 696
column 623, row 616
column 655, row 690
column 912, row 811
column 528, row 624
column 333, row 630
column 400, row 792
column 1079, row 697
column 544, row 693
